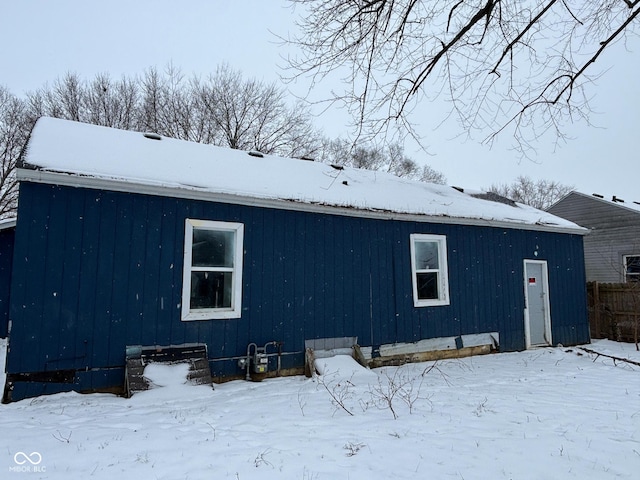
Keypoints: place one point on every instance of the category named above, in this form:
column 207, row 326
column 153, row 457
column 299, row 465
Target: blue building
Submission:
column 7, row 237
column 124, row 238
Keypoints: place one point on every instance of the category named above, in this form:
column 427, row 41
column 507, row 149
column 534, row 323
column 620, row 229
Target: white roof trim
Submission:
column 7, row 223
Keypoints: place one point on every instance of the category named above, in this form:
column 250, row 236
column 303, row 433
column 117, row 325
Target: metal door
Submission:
column 537, row 318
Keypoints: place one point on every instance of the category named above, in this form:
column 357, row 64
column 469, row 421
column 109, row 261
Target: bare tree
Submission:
column 539, row 194
column 430, row 175
column 225, row 110
column 63, row 100
column 109, row 103
column 14, row 130
column 102, row 101
column 170, row 106
column 399, row 164
column 252, row 115
column 390, row 159
column 502, row 64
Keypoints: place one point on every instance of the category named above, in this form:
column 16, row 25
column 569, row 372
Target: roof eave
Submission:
column 193, row 193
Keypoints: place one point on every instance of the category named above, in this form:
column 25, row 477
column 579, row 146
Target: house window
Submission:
column 212, row 276
column 429, row 270
column 631, row 268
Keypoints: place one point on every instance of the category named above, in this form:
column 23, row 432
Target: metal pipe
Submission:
column 248, row 363
column 256, row 350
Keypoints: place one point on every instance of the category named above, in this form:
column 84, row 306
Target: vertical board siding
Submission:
column 71, row 348
column 27, row 284
column 87, row 301
column 111, row 276
column 7, row 239
column 104, row 282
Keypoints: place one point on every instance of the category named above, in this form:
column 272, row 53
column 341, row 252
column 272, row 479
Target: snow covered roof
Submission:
column 71, row 153
column 613, row 200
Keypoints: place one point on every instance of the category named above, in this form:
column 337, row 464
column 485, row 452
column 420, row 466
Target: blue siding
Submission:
column 111, row 276
column 7, row 238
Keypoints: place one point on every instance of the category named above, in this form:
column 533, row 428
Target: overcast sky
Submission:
column 43, row 39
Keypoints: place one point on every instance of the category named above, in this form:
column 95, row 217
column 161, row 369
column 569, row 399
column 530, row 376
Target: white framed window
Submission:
column 212, row 272
column 631, row 264
column 429, row 270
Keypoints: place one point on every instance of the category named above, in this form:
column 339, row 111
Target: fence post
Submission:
column 596, row 309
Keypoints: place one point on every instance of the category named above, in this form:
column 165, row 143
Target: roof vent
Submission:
column 616, row 199
column 152, row 136
column 597, row 195
column 255, row 153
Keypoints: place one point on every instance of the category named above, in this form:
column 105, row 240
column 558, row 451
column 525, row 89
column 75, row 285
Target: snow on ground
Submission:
column 549, row 413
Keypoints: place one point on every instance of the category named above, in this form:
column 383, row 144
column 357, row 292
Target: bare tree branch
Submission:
column 517, row 65
column 539, row 194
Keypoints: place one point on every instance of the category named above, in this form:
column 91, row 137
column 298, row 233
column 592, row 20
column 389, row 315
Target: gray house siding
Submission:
column 614, row 233
column 604, row 252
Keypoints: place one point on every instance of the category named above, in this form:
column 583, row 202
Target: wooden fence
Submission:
column 614, row 310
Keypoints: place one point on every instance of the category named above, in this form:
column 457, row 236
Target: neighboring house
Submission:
column 612, row 247
column 127, row 239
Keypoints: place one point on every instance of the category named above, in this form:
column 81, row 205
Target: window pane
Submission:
column 211, row 289
column 633, row 265
column 426, row 256
column 427, row 284
column 212, row 248
column 633, row 268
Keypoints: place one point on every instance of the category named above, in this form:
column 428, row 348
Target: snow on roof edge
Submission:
column 85, row 152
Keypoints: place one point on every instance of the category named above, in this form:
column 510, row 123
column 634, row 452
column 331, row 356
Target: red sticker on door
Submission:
column 532, row 281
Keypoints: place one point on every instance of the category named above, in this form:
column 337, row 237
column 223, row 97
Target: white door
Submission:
column 537, row 318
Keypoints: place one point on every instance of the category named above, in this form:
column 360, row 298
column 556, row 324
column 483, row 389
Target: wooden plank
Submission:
column 139, row 357
column 134, row 377
column 439, row 344
column 397, row 360
column 596, row 308
column 309, row 363
column 359, row 356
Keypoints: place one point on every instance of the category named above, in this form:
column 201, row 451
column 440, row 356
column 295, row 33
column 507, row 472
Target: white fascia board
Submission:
column 7, row 223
